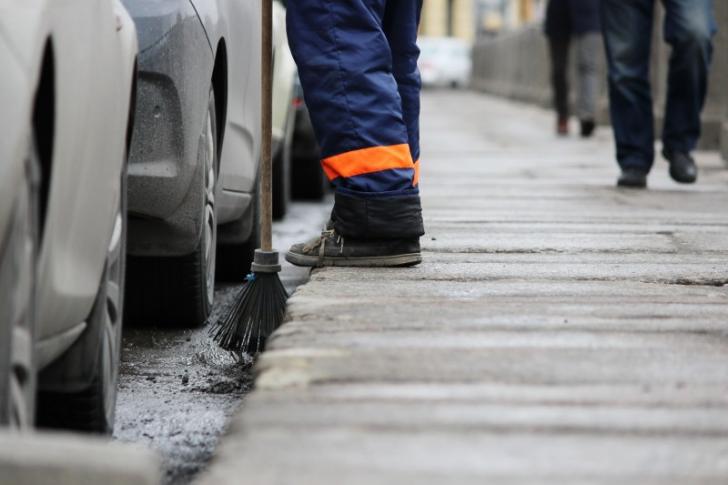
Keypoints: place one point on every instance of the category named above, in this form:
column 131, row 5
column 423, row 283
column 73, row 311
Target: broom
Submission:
column 261, row 303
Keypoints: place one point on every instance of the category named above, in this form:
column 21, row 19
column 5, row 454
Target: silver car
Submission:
column 194, row 158
column 66, row 89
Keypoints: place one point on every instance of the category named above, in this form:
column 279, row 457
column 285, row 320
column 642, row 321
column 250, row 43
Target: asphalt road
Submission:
column 177, row 389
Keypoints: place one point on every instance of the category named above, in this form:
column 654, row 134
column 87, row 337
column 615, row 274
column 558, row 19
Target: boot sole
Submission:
column 394, row 261
column 682, row 180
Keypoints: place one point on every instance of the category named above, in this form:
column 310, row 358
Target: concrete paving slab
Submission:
column 554, row 365
column 492, row 457
column 65, row 459
column 309, row 415
column 559, row 331
column 318, row 316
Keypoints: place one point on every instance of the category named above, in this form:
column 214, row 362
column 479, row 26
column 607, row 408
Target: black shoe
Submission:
column 332, row 249
column 682, row 166
column 587, row 128
column 635, row 179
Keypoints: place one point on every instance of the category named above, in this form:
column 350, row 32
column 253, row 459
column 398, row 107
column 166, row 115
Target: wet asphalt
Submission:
column 177, row 390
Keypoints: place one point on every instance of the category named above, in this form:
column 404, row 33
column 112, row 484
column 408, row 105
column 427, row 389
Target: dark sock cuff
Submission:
column 393, row 217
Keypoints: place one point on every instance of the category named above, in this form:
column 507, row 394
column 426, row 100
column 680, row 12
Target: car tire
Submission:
column 309, row 180
column 19, row 249
column 282, row 170
column 234, row 260
column 179, row 291
column 95, row 356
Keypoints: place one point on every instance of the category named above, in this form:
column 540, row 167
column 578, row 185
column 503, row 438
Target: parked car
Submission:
column 444, row 62
column 284, row 78
column 66, row 89
column 193, row 168
column 308, row 178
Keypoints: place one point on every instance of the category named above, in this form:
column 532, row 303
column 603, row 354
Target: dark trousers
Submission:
column 559, row 50
column 357, row 61
column 689, row 28
column 586, row 46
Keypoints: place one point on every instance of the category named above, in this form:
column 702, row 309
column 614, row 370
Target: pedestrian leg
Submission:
column 689, row 29
column 587, row 48
column 627, row 29
column 559, row 50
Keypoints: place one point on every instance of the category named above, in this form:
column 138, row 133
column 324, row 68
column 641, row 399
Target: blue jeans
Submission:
column 689, row 29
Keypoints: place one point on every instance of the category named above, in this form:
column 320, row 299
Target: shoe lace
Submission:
column 331, row 233
column 320, row 243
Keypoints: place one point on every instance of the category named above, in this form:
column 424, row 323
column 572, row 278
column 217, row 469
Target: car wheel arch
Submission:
column 132, row 106
column 220, row 87
column 44, row 125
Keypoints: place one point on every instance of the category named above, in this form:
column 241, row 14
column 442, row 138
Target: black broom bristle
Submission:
column 258, row 311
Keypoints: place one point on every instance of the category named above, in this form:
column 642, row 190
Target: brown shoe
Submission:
column 562, row 127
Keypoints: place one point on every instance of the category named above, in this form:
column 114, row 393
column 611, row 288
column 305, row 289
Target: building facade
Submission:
column 467, row 19
column 449, row 18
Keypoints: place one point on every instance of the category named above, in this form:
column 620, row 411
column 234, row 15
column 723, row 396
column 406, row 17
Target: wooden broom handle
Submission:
column 266, row 117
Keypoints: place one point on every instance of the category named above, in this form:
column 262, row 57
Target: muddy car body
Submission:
column 66, row 90
column 194, row 158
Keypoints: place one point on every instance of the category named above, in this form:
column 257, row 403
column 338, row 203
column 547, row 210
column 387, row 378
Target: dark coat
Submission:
column 565, row 18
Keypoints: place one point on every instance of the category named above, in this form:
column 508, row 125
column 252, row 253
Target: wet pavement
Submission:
column 177, row 390
column 560, row 330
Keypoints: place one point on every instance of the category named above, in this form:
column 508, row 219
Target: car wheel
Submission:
column 282, row 170
column 95, row 357
column 309, row 180
column 179, row 291
column 234, row 260
column 18, row 252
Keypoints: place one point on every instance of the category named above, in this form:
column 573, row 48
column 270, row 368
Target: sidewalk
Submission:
column 560, row 330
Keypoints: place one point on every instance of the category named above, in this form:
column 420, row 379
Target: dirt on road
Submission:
column 177, row 389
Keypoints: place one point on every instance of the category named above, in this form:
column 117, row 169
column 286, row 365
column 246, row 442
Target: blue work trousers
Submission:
column 357, row 60
column 689, row 28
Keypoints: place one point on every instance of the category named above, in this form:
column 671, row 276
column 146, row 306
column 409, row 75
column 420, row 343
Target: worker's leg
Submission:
column 345, row 64
column 627, row 34
column 401, row 21
column 689, row 29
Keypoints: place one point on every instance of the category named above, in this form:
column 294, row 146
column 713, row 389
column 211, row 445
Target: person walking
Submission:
column 689, row 29
column 577, row 21
column 357, row 61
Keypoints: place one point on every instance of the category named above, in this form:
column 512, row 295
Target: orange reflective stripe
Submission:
column 416, row 179
column 367, row 160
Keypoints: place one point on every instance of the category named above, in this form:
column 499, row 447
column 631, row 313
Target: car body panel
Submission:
column 240, row 155
column 80, row 215
column 167, row 125
column 92, row 91
column 180, row 39
column 284, row 77
column 16, row 89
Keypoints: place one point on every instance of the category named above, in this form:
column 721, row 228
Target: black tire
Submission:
column 282, row 170
column 308, row 179
column 18, row 249
column 234, row 260
column 281, row 183
column 95, row 357
column 179, row 291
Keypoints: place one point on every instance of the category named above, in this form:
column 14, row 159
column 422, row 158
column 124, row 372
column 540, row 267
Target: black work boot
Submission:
column 632, row 178
column 682, row 166
column 332, row 249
